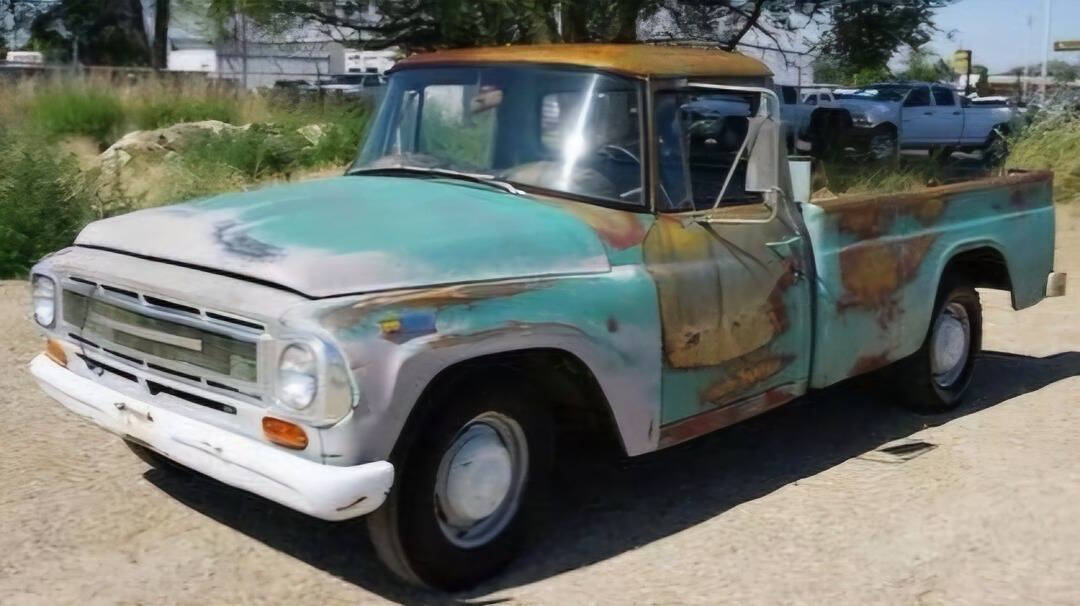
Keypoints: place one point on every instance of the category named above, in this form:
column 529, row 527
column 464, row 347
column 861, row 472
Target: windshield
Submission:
column 568, row 131
column 877, row 92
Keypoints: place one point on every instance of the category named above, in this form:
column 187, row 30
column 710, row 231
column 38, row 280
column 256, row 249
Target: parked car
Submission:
column 814, row 103
column 522, row 257
column 887, row 117
column 351, row 84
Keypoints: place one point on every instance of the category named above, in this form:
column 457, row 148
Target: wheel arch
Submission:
column 978, row 263
column 578, row 401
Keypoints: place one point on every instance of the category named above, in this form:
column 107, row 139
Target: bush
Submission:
column 159, row 113
column 44, row 202
column 1051, row 142
column 67, row 111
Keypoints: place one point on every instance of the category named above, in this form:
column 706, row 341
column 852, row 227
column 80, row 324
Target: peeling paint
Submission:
column 741, row 375
column 724, row 416
column 870, row 362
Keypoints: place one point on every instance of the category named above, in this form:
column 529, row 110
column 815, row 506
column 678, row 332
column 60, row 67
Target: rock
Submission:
column 313, row 132
column 170, row 138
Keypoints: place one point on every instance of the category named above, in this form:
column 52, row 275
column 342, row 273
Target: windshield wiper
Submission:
column 439, row 172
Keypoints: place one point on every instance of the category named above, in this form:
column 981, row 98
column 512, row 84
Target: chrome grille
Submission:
column 181, row 341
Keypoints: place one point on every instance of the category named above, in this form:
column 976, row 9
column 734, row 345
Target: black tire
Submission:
column 155, row 460
column 408, row 530
column 996, row 147
column 916, row 385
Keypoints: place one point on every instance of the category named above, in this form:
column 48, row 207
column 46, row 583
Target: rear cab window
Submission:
column 918, row 97
column 943, row 96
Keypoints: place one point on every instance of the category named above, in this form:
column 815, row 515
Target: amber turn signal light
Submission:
column 289, row 435
column 55, row 352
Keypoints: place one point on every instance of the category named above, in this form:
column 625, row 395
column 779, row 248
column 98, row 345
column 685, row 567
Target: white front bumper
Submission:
column 323, row 491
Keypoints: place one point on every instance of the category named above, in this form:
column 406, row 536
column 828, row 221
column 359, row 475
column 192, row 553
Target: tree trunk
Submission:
column 627, row 17
column 160, row 53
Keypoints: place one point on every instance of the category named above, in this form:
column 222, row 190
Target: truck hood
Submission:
column 869, row 107
column 361, row 234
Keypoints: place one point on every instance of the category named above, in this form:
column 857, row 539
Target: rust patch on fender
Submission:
column 434, row 298
column 618, row 229
column 740, row 375
column 929, row 211
column 706, row 422
column 866, row 220
column 869, row 362
column 872, row 272
column 510, row 328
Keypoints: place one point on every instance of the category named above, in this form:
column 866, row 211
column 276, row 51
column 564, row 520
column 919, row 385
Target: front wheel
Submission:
column 467, row 483
column 935, row 378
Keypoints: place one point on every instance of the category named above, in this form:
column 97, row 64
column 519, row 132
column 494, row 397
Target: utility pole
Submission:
column 1046, row 52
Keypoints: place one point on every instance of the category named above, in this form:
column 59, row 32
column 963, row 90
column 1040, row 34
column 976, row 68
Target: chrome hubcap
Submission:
column 480, row 479
column 950, row 344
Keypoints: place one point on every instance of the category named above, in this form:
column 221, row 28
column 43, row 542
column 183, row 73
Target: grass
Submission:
column 44, row 201
column 1051, row 142
column 846, row 177
column 47, row 192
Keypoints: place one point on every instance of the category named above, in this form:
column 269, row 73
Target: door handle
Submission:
column 928, row 113
column 956, row 113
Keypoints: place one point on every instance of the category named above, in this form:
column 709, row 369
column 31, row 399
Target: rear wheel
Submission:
column 935, row 378
column 468, row 482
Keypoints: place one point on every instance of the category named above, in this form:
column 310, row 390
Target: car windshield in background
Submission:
column 883, row 92
column 567, row 131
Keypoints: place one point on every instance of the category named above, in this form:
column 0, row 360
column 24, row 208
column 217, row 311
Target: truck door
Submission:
column 948, row 117
column 734, row 304
column 917, row 117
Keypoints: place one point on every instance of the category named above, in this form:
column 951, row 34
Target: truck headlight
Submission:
column 298, row 376
column 859, row 119
column 44, row 294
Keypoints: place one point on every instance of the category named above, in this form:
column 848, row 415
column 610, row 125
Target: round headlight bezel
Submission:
column 297, row 376
column 43, row 294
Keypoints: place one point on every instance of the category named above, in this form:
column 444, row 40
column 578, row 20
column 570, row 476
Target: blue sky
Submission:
column 998, row 34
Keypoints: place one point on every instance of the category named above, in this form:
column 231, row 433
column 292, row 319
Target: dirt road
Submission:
column 797, row 506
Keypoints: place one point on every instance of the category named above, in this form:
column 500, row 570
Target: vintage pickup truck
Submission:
column 533, row 243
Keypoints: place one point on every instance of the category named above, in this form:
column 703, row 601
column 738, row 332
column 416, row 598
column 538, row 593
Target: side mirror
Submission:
column 799, row 168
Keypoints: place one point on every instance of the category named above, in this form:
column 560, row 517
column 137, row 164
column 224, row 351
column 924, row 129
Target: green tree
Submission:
column 924, row 67
column 100, row 32
column 863, row 36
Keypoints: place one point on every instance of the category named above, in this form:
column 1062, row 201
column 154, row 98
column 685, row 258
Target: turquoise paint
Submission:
column 417, row 220
column 1022, row 232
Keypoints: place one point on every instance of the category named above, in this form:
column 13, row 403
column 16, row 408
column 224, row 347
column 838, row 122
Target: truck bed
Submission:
column 879, row 260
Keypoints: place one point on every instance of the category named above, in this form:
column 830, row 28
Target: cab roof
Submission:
column 632, row 59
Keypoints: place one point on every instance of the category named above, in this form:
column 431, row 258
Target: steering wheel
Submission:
column 610, row 149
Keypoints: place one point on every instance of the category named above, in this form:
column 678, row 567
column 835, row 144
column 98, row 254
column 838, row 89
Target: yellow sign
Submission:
column 1067, row 45
column 961, row 61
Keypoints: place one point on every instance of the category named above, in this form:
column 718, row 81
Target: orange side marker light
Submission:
column 289, row 435
column 55, row 352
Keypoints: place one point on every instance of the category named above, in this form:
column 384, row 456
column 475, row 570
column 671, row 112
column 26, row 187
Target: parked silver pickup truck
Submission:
column 535, row 246
column 884, row 118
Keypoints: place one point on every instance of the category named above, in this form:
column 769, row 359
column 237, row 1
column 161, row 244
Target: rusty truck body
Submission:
column 532, row 241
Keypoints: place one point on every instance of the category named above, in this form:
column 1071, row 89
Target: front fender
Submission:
column 398, row 343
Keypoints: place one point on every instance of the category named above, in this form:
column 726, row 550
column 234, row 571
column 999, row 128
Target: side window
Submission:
column 811, row 100
column 791, row 96
column 943, row 96
column 699, row 136
column 918, row 97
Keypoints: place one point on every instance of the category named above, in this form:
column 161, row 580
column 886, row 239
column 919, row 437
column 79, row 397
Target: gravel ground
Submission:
column 797, row 506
